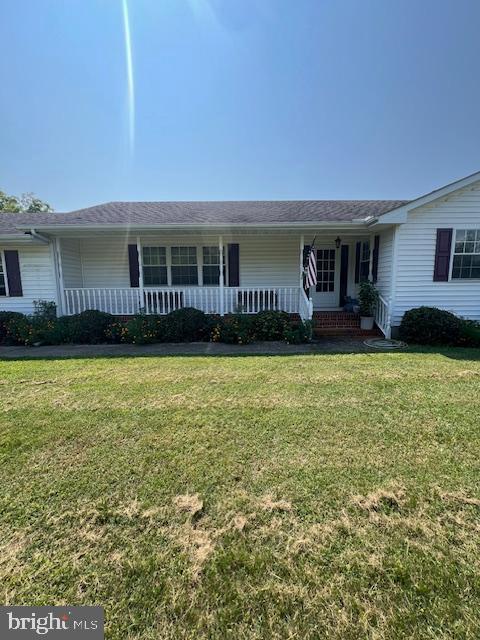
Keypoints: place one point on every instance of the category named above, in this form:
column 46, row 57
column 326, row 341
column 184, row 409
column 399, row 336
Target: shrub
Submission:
column 89, row 327
column 56, row 331
column 469, row 333
column 271, row 325
column 20, row 330
column 5, row 318
column 142, row 329
column 368, row 298
column 300, row 333
column 187, row 325
column 428, row 325
column 234, row 329
column 44, row 310
column 116, row 332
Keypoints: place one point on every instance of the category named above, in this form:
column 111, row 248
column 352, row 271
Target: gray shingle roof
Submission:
column 215, row 212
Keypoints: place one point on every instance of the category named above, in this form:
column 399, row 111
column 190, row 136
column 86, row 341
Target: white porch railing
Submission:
column 128, row 301
column 255, row 299
column 383, row 317
column 119, row 301
column 161, row 301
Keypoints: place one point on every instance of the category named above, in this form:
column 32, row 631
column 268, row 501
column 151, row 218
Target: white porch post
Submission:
column 370, row 263
column 141, row 298
column 61, row 284
column 221, row 289
column 302, row 246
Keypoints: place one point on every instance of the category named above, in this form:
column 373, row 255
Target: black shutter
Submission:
column 376, row 248
column 442, row 255
column 233, row 265
column 14, row 278
column 358, row 249
column 133, row 265
column 343, row 273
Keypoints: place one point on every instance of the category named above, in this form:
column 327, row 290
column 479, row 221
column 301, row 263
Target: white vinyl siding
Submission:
column 416, row 255
column 264, row 260
column 385, row 254
column 38, row 278
column 71, row 262
column 269, row 260
column 105, row 262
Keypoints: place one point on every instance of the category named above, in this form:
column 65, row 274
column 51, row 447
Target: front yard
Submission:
column 312, row 497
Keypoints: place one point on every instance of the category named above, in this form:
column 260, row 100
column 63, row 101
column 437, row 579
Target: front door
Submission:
column 326, row 294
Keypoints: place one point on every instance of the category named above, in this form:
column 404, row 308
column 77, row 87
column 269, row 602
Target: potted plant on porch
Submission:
column 368, row 298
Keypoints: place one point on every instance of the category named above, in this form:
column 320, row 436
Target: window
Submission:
column 3, row 281
column 325, row 270
column 466, row 256
column 211, row 264
column 154, row 266
column 364, row 261
column 184, row 266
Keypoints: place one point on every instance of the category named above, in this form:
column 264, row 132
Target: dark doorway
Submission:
column 343, row 273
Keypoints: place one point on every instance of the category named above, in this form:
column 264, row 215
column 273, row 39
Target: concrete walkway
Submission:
column 327, row 345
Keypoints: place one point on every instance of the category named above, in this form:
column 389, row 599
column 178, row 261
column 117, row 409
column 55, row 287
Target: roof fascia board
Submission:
column 17, row 238
column 199, row 227
column 400, row 215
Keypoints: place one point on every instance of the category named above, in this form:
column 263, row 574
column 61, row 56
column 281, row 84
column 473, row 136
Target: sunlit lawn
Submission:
column 327, row 496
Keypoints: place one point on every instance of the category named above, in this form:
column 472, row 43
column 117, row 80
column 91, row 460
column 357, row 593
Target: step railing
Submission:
column 305, row 306
column 383, row 316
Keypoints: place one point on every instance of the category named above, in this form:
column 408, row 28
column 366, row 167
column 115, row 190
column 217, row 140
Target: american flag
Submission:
column 311, row 269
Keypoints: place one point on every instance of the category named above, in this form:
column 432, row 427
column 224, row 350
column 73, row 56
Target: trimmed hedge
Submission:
column 6, row 317
column 183, row 325
column 187, row 325
column 429, row 325
column 89, row 327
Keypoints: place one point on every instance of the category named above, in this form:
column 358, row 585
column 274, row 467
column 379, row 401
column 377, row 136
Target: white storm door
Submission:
column 326, row 294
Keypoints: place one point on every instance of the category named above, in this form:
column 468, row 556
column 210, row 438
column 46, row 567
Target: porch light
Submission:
column 338, row 242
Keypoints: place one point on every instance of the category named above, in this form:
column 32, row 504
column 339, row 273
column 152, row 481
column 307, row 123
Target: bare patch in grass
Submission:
column 11, row 550
column 382, row 500
column 239, row 522
column 459, row 497
column 191, row 504
column 269, row 503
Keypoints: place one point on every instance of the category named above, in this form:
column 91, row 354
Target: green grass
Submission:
column 320, row 496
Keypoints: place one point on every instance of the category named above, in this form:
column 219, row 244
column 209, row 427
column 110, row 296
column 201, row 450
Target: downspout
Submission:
column 38, row 236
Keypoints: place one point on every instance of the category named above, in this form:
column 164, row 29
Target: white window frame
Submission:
column 452, row 254
column 213, row 246
column 4, row 271
column 363, row 260
column 156, row 246
column 199, row 249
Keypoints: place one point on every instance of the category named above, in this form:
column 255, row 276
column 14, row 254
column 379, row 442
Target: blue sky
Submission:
column 238, row 99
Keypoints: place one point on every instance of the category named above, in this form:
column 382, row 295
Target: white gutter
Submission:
column 38, row 236
column 178, row 227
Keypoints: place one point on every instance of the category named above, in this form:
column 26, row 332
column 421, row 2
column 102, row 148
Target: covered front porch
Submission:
column 125, row 274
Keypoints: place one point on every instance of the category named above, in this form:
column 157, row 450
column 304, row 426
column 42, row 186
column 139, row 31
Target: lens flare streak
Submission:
column 130, row 81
